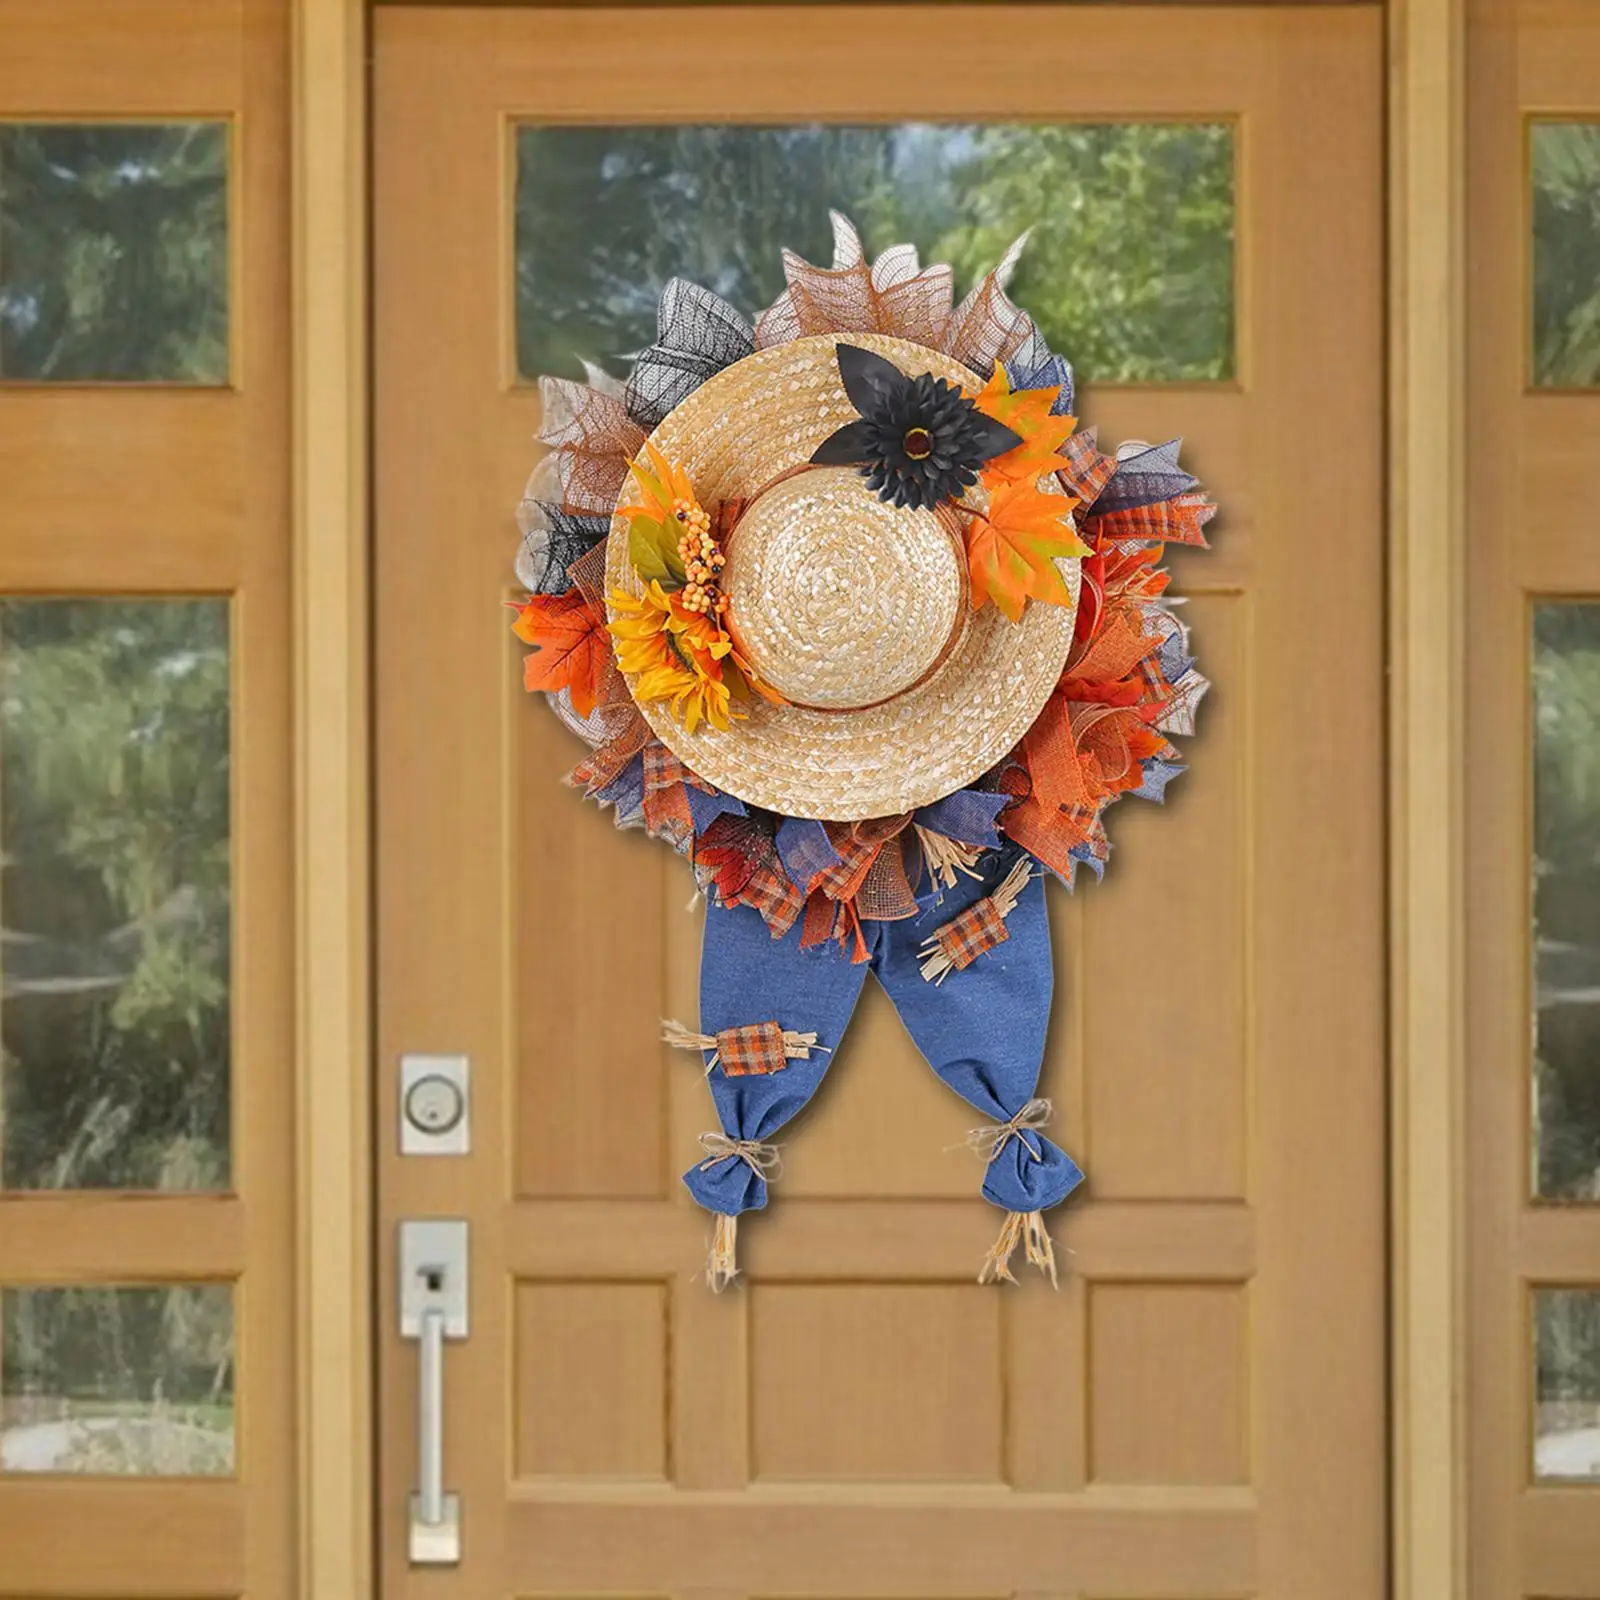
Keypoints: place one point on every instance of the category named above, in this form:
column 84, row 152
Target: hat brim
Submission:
column 732, row 436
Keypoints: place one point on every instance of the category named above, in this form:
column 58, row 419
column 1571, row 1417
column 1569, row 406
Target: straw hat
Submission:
column 856, row 611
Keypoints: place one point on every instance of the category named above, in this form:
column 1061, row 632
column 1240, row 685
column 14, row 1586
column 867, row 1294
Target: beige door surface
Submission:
column 1199, row 1410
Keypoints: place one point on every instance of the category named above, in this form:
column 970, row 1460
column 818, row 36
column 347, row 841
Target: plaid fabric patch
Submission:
column 979, row 928
column 771, row 891
column 756, row 1048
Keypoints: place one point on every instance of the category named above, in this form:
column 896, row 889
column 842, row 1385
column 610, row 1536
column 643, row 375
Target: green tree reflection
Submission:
column 1566, row 253
column 113, row 252
column 114, row 800
column 1566, row 899
column 1129, row 270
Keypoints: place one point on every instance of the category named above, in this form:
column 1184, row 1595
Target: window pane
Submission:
column 133, row 1381
column 114, row 894
column 1567, row 1383
column 114, row 252
column 1566, row 900
column 1129, row 269
column 1566, row 253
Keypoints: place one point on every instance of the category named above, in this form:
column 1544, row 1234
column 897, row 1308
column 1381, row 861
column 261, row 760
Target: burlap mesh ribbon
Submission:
column 897, row 295
column 593, row 439
column 697, row 334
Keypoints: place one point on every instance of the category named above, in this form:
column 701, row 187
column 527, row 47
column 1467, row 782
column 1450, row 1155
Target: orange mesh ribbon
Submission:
column 896, row 295
column 886, row 894
column 594, row 438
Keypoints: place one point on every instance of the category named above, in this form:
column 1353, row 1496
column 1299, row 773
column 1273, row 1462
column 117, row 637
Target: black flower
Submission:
column 918, row 440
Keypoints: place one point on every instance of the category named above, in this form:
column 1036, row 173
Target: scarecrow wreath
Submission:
column 854, row 617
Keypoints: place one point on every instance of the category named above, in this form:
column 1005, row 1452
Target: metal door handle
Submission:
column 433, row 1308
column 430, row 1420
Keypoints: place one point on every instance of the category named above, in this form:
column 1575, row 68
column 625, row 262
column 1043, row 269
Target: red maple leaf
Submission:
column 733, row 849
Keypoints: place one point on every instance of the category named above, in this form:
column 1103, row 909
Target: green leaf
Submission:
column 653, row 550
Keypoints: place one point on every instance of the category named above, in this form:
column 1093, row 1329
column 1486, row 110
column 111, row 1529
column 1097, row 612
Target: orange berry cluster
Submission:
column 702, row 560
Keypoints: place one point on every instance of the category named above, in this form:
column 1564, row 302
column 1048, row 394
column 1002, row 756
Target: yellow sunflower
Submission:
column 673, row 654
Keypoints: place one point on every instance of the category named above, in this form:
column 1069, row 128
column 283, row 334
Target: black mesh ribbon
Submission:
column 552, row 539
column 697, row 334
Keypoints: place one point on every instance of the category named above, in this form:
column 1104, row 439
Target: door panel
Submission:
column 147, row 1404
column 1533, row 696
column 1199, row 1411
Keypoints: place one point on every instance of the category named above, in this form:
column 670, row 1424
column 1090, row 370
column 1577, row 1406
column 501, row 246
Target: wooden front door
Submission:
column 1199, row 1410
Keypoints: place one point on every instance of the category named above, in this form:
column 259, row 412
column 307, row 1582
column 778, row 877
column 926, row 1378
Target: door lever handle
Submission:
column 430, row 1420
column 433, row 1309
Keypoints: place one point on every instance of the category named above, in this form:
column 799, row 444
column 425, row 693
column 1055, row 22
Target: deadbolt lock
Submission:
column 434, row 1105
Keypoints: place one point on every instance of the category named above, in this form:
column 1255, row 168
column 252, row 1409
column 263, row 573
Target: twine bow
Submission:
column 989, row 1140
column 765, row 1160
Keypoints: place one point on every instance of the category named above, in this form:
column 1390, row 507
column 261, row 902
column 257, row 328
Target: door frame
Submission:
column 1426, row 857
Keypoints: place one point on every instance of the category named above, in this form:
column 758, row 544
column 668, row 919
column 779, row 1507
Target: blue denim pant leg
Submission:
column 747, row 976
column 983, row 1029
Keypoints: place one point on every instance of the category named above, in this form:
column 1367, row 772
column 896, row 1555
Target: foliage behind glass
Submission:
column 1128, row 271
column 114, row 252
column 115, row 894
column 1566, row 253
column 1566, row 899
column 1566, row 1383
column 117, row 1381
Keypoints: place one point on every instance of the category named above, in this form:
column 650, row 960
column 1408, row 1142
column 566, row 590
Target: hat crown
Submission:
column 838, row 600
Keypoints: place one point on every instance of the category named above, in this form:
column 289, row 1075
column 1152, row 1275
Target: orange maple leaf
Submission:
column 1026, row 412
column 1011, row 552
column 571, row 648
column 658, row 482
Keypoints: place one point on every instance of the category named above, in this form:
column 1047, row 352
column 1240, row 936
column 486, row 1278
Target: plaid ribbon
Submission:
column 1084, row 470
column 666, row 806
column 1176, row 521
column 751, row 1050
column 771, row 891
column 606, row 764
column 966, row 937
column 856, row 856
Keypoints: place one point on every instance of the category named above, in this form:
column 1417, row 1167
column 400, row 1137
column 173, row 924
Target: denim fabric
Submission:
column 982, row 1030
